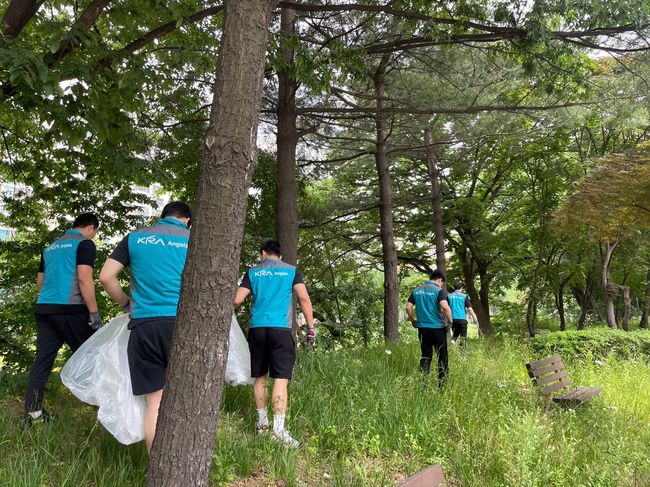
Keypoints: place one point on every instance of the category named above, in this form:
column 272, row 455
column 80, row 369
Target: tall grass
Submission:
column 367, row 417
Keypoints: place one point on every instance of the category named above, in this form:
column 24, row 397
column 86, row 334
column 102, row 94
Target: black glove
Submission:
column 414, row 323
column 95, row 321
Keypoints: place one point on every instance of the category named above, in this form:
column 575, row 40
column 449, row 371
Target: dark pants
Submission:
column 434, row 339
column 53, row 332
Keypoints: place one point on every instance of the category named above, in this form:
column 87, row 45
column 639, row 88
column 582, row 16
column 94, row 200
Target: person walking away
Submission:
column 429, row 302
column 66, row 308
column 270, row 337
column 460, row 304
column 156, row 255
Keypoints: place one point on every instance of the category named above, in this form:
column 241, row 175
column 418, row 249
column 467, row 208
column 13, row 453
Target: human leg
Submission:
column 439, row 340
column 151, row 416
column 282, row 357
column 426, row 349
column 48, row 343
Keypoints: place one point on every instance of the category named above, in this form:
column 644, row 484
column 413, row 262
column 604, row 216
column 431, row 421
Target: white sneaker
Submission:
column 263, row 429
column 284, row 437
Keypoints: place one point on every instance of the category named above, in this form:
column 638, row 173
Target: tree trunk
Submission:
column 187, row 425
column 18, row 13
column 531, row 316
column 559, row 301
column 609, row 288
column 646, row 307
column 479, row 298
column 287, row 189
column 436, row 200
column 627, row 308
column 389, row 250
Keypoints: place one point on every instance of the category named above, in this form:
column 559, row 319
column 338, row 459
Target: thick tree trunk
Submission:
column 18, row 13
column 436, row 201
column 559, row 304
column 609, row 288
column 479, row 298
column 287, row 188
column 389, row 250
column 531, row 316
column 187, row 425
column 646, row 307
column 627, row 308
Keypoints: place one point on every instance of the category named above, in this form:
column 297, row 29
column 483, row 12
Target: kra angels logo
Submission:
column 263, row 273
column 150, row 240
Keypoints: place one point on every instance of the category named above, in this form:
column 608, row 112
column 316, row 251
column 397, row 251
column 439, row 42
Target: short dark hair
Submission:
column 178, row 209
column 86, row 219
column 437, row 274
column 271, row 247
column 458, row 285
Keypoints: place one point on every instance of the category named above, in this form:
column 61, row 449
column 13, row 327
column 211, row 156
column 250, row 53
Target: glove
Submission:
column 311, row 336
column 95, row 321
column 414, row 323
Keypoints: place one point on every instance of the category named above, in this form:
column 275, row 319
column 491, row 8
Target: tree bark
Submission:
column 389, row 250
column 187, row 425
column 436, row 201
column 609, row 288
column 646, row 307
column 531, row 317
column 287, row 188
column 480, row 297
column 17, row 15
column 559, row 303
column 627, row 308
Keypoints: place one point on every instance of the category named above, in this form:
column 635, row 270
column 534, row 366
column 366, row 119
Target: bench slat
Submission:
column 556, row 367
column 429, row 477
column 551, row 378
column 563, row 384
column 545, row 361
column 587, row 394
column 571, row 395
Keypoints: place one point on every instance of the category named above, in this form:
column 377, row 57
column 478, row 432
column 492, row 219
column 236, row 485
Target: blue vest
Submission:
column 157, row 258
column 61, row 282
column 457, row 302
column 272, row 289
column 426, row 305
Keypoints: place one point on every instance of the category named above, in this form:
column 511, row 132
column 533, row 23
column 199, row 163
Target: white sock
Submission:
column 35, row 414
column 278, row 423
column 262, row 417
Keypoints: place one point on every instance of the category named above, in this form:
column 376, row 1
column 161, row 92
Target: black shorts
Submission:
column 273, row 352
column 148, row 352
column 459, row 327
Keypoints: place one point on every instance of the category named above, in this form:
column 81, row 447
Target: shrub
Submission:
column 602, row 342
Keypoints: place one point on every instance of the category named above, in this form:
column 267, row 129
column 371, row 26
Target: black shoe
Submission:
column 28, row 421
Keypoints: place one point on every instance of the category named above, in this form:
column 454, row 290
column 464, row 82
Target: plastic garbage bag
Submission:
column 98, row 374
column 238, row 367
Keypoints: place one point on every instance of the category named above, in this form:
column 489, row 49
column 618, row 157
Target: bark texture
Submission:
column 387, row 230
column 646, row 305
column 287, row 188
column 610, row 289
column 18, row 13
column 436, row 201
column 187, row 425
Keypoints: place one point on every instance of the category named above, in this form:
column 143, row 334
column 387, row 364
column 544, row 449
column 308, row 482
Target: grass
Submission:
column 366, row 417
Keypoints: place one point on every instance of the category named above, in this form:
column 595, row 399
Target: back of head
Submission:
column 271, row 247
column 86, row 219
column 177, row 209
column 458, row 286
column 438, row 274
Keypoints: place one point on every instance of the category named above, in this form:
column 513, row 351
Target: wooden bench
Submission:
column 554, row 381
column 430, row 477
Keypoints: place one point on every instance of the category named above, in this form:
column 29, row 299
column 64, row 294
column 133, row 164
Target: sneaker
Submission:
column 263, row 429
column 28, row 421
column 284, row 437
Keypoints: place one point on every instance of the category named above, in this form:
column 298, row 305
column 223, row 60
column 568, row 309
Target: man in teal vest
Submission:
column 156, row 255
column 429, row 301
column 66, row 309
column 460, row 303
column 270, row 337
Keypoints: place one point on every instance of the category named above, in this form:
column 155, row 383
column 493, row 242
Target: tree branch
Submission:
column 17, row 15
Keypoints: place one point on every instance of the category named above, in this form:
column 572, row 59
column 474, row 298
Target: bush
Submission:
column 599, row 343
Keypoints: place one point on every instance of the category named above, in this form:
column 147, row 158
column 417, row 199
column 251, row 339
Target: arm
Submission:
column 240, row 296
column 305, row 304
column 39, row 280
column 471, row 312
column 109, row 281
column 87, row 287
column 445, row 310
column 410, row 311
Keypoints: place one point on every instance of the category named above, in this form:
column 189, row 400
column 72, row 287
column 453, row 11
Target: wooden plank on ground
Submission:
column 430, row 477
column 545, row 361
column 563, row 384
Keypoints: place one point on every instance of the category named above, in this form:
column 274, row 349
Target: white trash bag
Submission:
column 98, row 374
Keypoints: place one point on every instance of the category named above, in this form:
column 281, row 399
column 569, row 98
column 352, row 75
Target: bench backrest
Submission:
column 549, row 374
column 431, row 477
